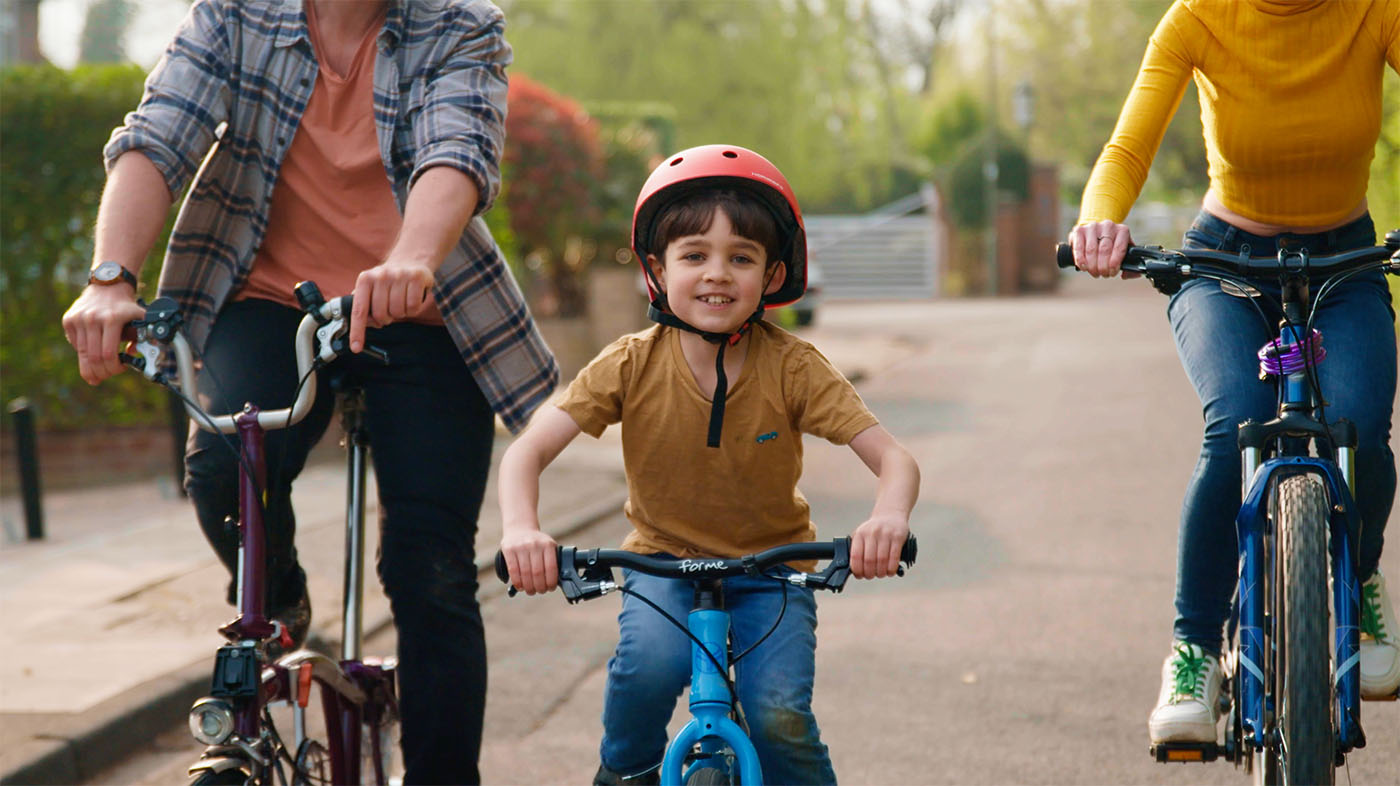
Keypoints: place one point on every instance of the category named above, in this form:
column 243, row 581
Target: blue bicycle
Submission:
column 714, row 747
column 1293, row 703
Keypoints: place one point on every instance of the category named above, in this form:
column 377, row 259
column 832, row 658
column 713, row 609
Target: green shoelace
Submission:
column 1190, row 669
column 1371, row 623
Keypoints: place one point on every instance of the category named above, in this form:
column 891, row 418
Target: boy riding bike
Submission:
column 712, row 466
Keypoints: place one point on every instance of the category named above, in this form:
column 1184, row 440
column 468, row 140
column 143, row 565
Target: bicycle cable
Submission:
column 286, row 439
column 193, row 406
column 781, row 611
column 1322, row 292
column 719, row 667
column 285, row 755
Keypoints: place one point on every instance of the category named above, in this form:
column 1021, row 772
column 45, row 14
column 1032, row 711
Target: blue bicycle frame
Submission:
column 1251, row 526
column 710, row 706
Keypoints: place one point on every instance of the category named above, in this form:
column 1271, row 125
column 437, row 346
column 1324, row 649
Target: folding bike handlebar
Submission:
column 326, row 321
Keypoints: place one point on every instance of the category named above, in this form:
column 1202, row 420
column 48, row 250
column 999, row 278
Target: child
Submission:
column 712, row 466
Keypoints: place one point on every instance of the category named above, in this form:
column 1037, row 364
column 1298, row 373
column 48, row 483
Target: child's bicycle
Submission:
column 714, row 747
column 1292, row 703
column 358, row 697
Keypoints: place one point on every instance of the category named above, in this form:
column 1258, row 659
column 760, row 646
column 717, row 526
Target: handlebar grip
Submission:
column 1064, row 255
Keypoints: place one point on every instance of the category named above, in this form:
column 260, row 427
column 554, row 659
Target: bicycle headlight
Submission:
column 211, row 721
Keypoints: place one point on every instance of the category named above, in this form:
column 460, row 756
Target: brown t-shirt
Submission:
column 333, row 213
column 691, row 500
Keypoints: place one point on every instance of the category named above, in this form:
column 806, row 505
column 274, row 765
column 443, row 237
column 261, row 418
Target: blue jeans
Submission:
column 651, row 667
column 1217, row 335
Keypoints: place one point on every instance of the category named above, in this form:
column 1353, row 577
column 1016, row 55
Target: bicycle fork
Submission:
column 710, row 700
column 1254, row 636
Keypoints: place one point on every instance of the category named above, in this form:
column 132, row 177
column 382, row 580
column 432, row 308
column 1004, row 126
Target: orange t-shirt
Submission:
column 689, row 500
column 333, row 212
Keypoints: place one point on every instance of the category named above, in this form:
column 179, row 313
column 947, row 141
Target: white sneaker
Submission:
column 1380, row 641
column 1189, row 704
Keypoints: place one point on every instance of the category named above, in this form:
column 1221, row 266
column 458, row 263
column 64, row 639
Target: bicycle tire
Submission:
column 1303, row 672
column 709, row 776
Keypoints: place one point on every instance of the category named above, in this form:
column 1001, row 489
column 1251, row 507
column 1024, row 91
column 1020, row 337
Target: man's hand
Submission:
column 875, row 545
column 532, row 558
column 386, row 293
column 1099, row 247
column 94, row 325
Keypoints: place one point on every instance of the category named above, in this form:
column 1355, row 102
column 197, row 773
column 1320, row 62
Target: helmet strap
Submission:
column 721, row 379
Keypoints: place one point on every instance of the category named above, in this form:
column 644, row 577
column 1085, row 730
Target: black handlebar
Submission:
column 1155, row 260
column 587, row 573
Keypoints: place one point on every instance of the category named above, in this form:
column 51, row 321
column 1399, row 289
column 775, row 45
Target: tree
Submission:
column 103, row 38
column 798, row 81
column 554, row 160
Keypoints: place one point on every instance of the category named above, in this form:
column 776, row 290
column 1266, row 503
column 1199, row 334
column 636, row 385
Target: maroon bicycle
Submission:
column 357, row 695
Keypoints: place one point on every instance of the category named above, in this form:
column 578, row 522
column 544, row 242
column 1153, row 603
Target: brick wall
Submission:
column 69, row 459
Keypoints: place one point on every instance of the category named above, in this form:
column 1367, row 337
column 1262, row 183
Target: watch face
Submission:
column 107, row 272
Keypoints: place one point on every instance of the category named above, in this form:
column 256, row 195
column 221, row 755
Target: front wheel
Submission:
column 1302, row 673
column 708, row 776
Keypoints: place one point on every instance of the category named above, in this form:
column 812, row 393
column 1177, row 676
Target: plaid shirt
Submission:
column 439, row 99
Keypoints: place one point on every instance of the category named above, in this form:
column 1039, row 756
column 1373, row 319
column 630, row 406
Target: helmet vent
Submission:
column 677, row 160
column 730, row 154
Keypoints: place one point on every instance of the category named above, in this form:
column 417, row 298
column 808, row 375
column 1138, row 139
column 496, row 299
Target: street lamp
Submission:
column 1023, row 105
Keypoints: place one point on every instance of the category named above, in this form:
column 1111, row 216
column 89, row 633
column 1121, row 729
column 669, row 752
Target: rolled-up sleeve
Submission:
column 462, row 124
column 186, row 96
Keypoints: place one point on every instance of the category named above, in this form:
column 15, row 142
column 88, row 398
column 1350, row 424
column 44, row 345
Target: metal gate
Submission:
column 884, row 254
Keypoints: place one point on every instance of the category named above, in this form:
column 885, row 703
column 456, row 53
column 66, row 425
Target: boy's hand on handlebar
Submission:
column 532, row 559
column 94, row 326
column 388, row 292
column 875, row 545
column 1099, row 248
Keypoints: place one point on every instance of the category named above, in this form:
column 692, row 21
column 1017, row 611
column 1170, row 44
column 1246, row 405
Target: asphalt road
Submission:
column 1055, row 436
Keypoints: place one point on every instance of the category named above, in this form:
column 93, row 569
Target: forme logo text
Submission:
column 695, row 566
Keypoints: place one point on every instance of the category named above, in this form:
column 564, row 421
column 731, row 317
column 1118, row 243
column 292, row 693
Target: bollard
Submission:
column 27, row 450
column 179, row 429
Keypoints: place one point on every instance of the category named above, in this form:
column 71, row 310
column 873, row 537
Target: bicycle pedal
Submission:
column 1185, row 752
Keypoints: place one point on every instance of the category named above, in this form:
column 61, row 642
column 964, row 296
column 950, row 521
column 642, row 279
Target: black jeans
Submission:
column 430, row 432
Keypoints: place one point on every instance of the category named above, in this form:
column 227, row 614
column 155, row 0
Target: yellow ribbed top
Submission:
column 1290, row 105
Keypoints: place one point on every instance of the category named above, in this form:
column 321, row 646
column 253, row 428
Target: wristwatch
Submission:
column 109, row 273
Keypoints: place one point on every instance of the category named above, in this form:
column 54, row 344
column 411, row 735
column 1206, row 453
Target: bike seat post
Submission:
column 351, row 404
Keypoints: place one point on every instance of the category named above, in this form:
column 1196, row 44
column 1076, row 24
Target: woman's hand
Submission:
column 94, row 325
column 875, row 545
column 1099, row 247
column 532, row 557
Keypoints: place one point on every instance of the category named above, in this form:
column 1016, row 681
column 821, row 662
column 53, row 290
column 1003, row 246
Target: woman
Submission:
column 1290, row 103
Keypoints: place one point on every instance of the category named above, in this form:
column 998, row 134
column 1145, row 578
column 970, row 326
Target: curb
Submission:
column 104, row 734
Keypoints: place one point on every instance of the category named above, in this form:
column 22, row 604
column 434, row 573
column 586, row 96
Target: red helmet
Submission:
column 732, row 167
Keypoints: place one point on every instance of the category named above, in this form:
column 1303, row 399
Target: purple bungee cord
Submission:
column 1278, row 360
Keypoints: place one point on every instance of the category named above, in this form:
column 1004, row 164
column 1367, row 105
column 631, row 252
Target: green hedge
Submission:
column 53, row 124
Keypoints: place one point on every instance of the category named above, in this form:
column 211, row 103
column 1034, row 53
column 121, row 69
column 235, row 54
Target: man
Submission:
column 362, row 142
